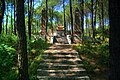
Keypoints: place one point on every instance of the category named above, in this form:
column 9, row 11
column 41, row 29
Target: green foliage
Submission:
column 36, row 48
column 33, row 66
column 53, row 3
column 100, row 32
column 8, row 58
column 103, row 54
column 10, row 40
column 38, row 44
column 95, row 55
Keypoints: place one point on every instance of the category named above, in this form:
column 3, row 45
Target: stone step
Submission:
column 60, row 65
column 61, row 62
column 62, row 74
column 57, row 63
column 59, row 52
column 57, row 67
column 59, row 56
column 66, row 70
column 64, row 61
column 63, row 78
column 76, row 71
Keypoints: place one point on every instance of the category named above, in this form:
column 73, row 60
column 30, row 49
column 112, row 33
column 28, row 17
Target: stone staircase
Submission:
column 62, row 40
column 60, row 62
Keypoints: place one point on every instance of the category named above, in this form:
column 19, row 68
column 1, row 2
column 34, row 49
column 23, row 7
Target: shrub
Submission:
column 38, row 44
column 8, row 58
column 36, row 48
column 9, row 40
column 99, row 53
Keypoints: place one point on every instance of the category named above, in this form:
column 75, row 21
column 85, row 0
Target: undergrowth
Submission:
column 95, row 55
column 8, row 57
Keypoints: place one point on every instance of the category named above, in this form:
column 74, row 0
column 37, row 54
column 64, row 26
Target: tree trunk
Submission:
column 32, row 15
column 86, row 24
column 95, row 12
column 82, row 18
column 102, row 12
column 95, row 20
column 15, row 17
column 37, row 24
column 92, row 19
column 3, row 26
column 22, row 43
column 51, row 19
column 6, row 23
column 6, row 18
column 71, row 14
column 114, row 13
column 100, row 20
column 46, row 19
column 99, row 14
column 89, row 30
column 77, row 20
column 2, row 14
column 11, row 21
column 29, row 17
column 64, row 19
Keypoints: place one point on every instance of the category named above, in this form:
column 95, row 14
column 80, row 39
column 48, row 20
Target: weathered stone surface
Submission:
column 61, row 62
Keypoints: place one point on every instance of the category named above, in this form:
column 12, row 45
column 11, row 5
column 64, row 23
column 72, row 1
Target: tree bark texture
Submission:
column 92, row 19
column 114, row 14
column 71, row 14
column 64, row 18
column 22, row 43
column 82, row 18
column 29, row 17
column 2, row 14
column 15, row 17
column 46, row 19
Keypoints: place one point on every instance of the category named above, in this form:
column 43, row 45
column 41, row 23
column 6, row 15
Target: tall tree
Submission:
column 32, row 16
column 86, row 24
column 22, row 43
column 64, row 17
column 14, row 17
column 46, row 19
column 71, row 14
column 95, row 14
column 77, row 21
column 2, row 13
column 3, row 26
column 92, row 19
column 99, row 13
column 82, row 17
column 7, row 19
column 102, row 14
column 29, row 17
column 114, row 13
column 11, row 19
